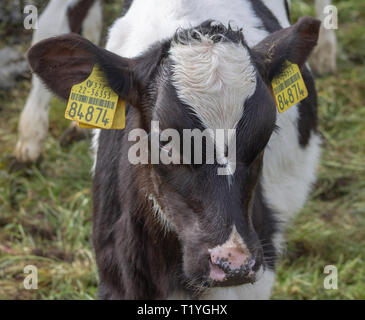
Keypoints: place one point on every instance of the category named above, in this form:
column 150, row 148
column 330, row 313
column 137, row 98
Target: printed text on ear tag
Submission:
column 119, row 118
column 289, row 87
column 93, row 102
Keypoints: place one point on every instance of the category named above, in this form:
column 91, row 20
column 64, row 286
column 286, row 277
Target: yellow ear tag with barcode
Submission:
column 93, row 102
column 289, row 87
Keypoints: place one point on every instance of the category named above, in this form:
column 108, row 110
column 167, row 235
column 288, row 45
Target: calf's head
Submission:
column 205, row 77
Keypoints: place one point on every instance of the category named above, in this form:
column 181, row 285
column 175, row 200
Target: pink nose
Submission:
column 229, row 261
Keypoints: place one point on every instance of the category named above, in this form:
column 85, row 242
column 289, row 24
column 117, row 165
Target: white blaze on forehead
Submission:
column 214, row 79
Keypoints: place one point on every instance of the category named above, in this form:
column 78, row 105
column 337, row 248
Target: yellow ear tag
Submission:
column 119, row 118
column 93, row 102
column 289, row 87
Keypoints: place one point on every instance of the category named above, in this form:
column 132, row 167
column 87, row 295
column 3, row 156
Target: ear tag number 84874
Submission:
column 289, row 87
column 92, row 102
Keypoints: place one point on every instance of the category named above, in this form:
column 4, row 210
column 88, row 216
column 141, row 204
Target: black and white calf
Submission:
column 182, row 231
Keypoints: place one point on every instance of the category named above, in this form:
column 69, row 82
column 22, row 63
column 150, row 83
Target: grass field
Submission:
column 45, row 210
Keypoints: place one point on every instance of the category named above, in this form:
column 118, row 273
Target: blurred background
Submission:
column 45, row 208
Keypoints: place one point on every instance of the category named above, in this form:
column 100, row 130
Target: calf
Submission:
column 183, row 231
column 59, row 17
column 84, row 16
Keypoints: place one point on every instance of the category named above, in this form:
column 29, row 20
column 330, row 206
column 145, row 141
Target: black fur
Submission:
column 77, row 14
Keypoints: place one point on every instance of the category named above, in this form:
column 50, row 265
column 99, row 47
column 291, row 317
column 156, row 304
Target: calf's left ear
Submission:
column 293, row 44
column 64, row 61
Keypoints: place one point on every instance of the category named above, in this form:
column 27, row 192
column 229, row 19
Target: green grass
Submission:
column 45, row 210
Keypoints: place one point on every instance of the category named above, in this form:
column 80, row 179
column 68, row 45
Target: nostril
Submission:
column 251, row 263
column 251, row 266
column 213, row 258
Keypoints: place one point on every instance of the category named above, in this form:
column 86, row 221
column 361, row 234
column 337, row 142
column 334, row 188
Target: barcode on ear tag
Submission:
column 93, row 102
column 289, row 87
column 118, row 121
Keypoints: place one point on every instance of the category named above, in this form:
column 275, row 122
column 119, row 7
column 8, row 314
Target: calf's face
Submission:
column 203, row 78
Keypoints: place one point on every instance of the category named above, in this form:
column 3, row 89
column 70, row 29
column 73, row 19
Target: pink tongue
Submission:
column 216, row 273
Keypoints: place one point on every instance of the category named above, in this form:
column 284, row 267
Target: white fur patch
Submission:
column 276, row 7
column 287, row 182
column 289, row 172
column 160, row 215
column 260, row 290
column 95, row 147
column 92, row 26
column 214, row 79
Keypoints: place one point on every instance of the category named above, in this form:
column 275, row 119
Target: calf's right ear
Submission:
column 64, row 61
